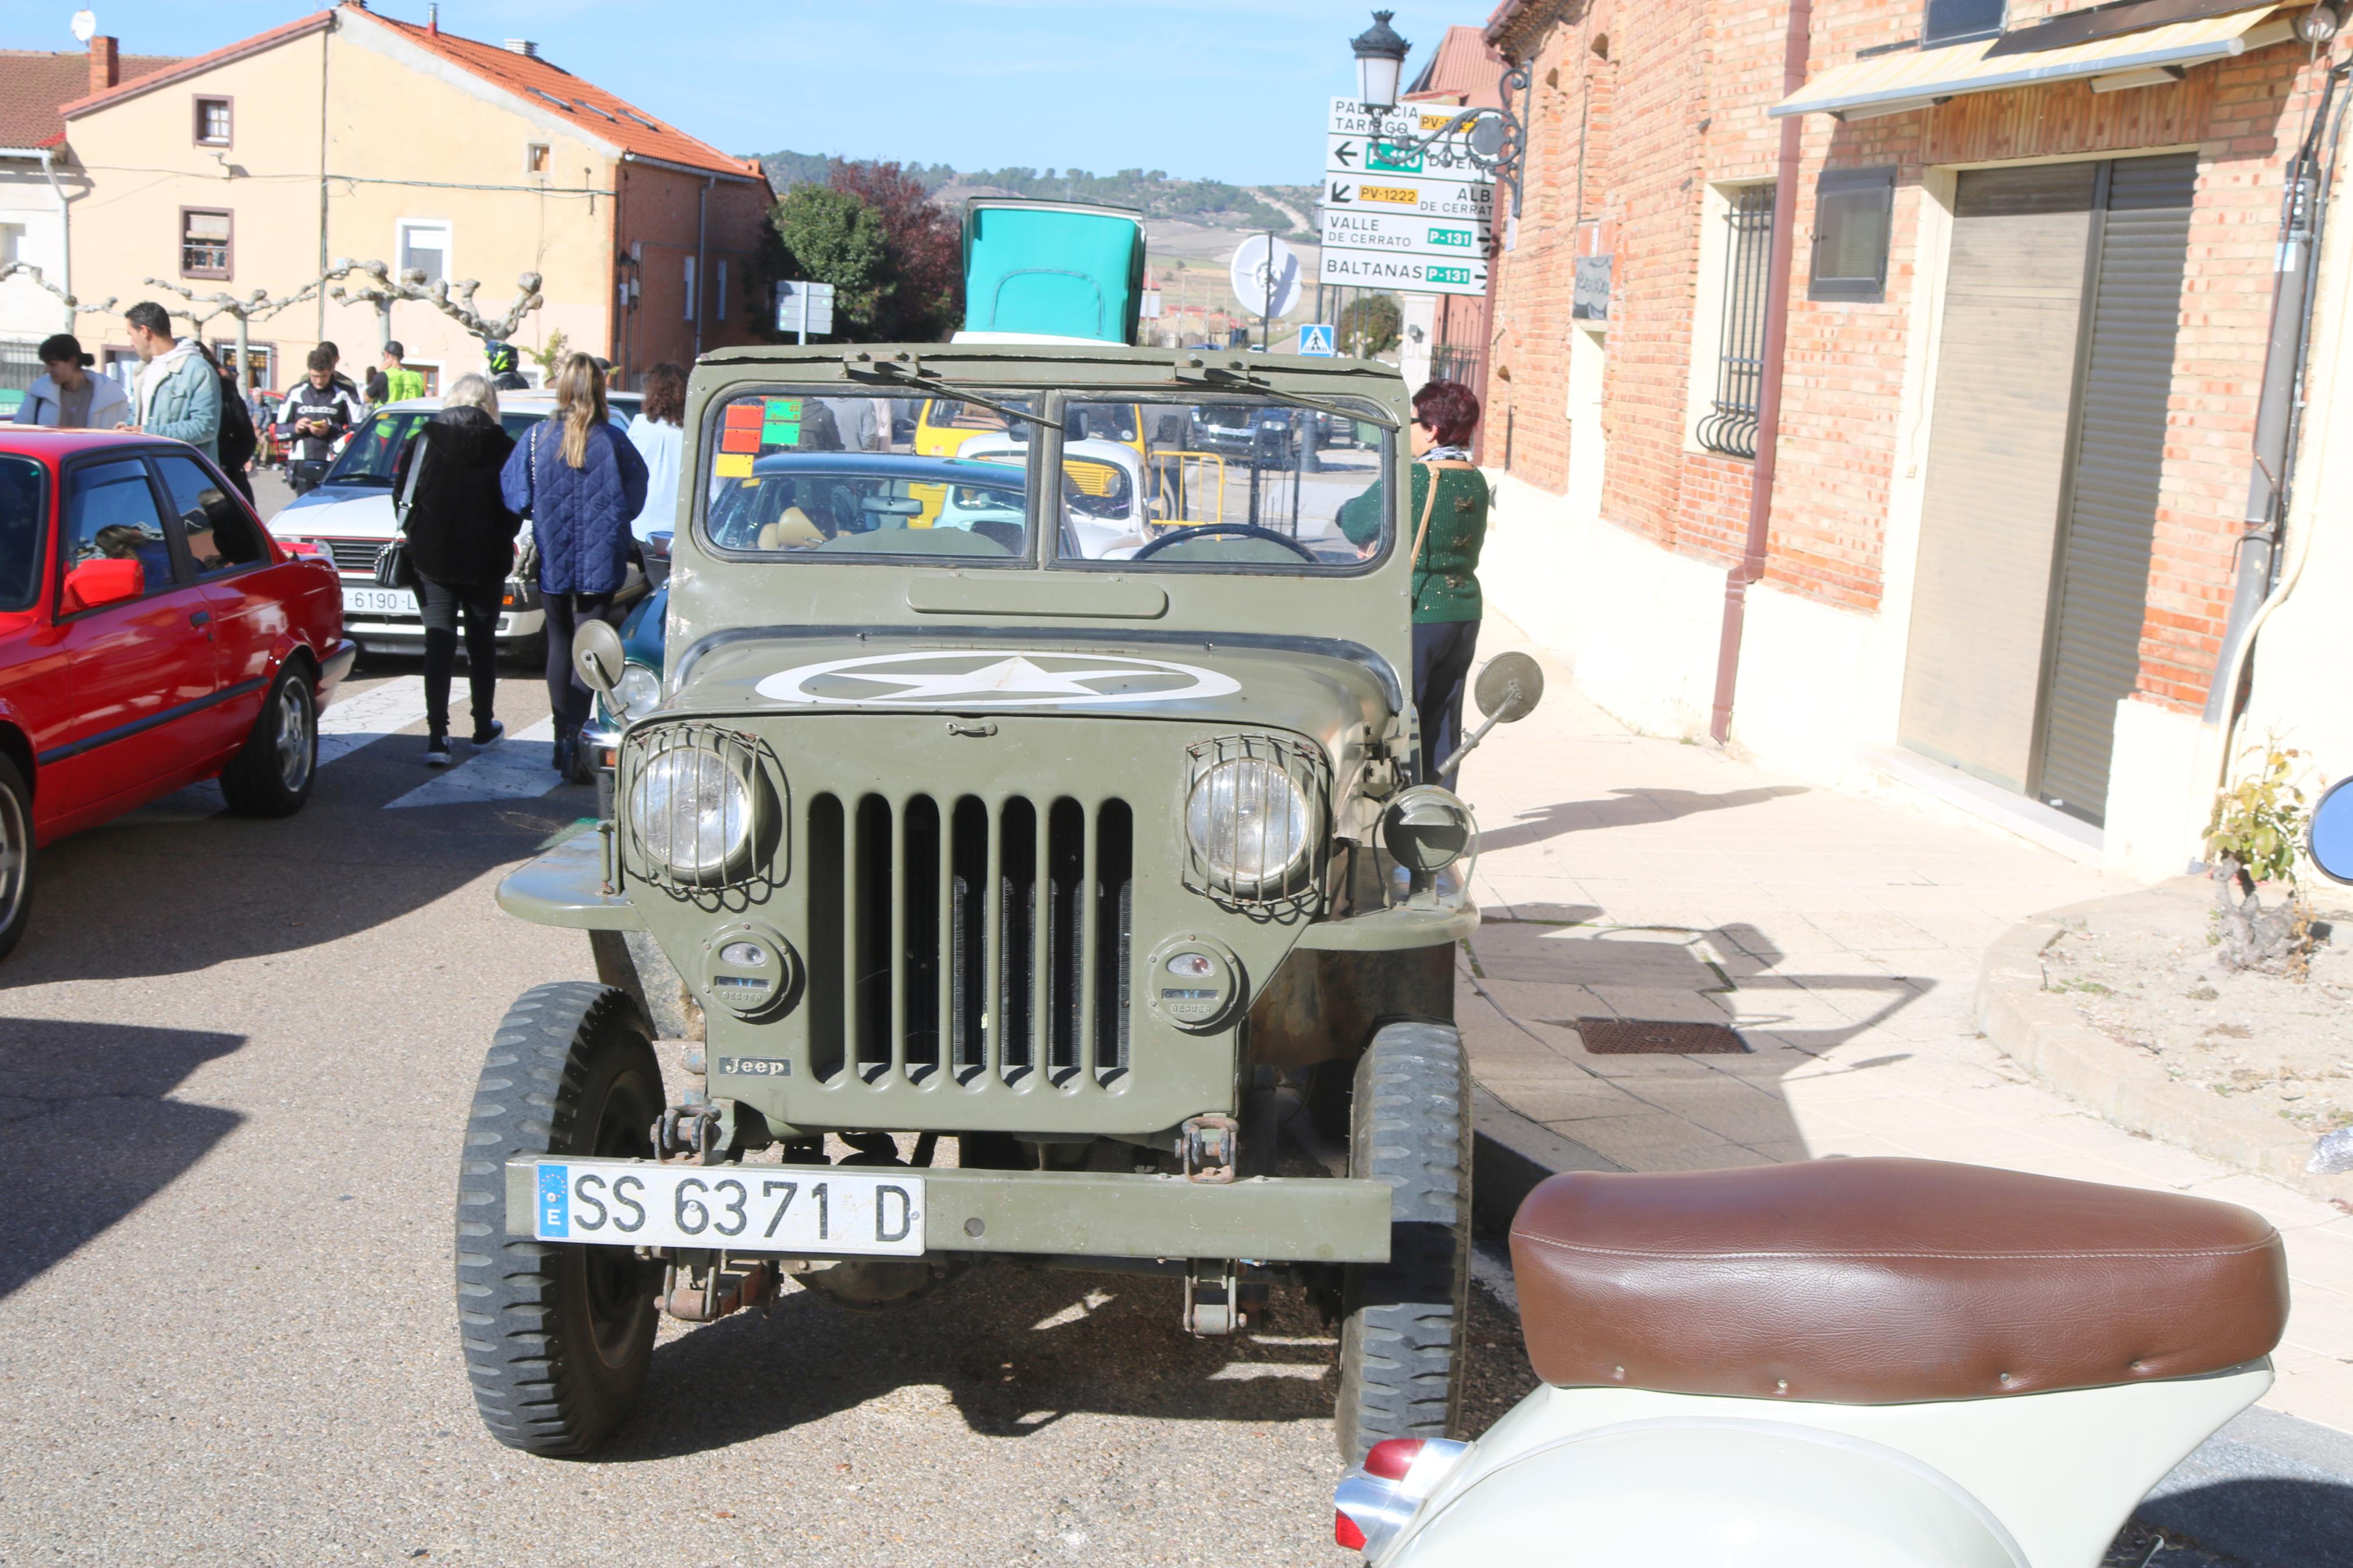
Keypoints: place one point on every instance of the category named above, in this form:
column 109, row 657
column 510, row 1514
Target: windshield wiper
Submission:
column 1192, row 368
column 905, row 370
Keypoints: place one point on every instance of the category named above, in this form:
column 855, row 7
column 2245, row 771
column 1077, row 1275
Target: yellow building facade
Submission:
column 347, row 135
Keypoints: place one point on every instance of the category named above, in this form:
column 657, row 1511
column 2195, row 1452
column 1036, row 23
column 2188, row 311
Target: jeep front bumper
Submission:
column 1078, row 1214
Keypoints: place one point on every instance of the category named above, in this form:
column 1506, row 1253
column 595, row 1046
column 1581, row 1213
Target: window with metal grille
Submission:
column 204, row 243
column 1730, row 426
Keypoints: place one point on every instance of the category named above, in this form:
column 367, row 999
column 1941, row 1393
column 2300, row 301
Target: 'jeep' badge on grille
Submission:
column 1016, row 678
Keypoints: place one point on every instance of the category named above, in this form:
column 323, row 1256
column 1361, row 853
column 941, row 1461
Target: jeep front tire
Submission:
column 1401, row 1334
column 557, row 1336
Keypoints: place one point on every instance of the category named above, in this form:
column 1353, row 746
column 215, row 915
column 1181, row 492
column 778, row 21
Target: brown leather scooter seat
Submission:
column 1886, row 1281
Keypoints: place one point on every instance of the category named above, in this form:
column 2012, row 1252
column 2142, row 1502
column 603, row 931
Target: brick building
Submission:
column 2028, row 299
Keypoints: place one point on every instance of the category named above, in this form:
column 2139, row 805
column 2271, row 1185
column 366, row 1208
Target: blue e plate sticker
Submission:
column 554, row 1202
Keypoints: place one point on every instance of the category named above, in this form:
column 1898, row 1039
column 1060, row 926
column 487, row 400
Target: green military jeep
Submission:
column 1020, row 838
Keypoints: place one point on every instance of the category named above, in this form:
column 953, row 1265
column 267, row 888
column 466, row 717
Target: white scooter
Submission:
column 1841, row 1363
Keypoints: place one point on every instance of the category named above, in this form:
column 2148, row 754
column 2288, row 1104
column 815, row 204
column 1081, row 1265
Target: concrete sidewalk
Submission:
column 1623, row 875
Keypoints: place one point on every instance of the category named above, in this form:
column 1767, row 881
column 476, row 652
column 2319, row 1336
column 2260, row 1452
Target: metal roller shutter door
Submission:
column 2142, row 241
column 1997, row 465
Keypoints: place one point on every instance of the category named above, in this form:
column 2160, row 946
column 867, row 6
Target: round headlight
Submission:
column 692, row 812
column 1427, row 829
column 1249, row 822
column 635, row 693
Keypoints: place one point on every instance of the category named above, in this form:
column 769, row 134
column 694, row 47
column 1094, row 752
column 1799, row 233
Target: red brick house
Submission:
column 2021, row 344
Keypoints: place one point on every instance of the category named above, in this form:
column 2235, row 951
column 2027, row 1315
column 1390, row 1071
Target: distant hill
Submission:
column 1151, row 190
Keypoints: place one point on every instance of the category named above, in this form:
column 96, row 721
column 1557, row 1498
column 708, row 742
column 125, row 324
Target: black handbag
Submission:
column 394, row 566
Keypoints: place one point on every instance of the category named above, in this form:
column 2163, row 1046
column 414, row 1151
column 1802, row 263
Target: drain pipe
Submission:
column 2303, row 213
column 702, row 261
column 1768, row 392
column 65, row 233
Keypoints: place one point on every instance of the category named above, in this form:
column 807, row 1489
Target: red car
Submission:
column 152, row 633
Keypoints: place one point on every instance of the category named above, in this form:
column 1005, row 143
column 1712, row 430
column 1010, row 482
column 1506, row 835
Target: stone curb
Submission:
column 1510, row 1154
column 2043, row 1033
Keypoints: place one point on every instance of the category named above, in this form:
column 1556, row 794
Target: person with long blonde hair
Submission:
column 580, row 481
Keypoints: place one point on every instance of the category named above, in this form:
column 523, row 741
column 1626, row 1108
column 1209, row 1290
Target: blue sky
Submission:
column 1231, row 90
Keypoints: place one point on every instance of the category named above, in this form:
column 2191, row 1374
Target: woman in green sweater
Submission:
column 1448, row 519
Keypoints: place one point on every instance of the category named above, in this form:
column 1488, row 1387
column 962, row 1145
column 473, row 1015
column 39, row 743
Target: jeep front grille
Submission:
column 986, row 938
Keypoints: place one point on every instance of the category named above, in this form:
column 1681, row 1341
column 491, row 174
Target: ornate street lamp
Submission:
column 1497, row 140
column 1380, row 59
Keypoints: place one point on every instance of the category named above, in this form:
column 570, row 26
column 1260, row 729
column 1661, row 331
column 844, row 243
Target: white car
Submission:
column 349, row 518
column 1104, row 506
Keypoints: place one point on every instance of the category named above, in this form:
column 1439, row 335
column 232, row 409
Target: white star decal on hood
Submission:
column 978, row 679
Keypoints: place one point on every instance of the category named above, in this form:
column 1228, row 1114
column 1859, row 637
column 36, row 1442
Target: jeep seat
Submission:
column 1886, row 1281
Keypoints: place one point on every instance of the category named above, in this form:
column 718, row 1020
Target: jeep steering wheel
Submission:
column 1238, row 529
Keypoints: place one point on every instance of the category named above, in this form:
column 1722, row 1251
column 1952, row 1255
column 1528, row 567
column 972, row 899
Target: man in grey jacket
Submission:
column 178, row 393
column 69, row 396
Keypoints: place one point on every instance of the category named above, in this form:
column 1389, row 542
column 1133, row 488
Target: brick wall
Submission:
column 1639, row 108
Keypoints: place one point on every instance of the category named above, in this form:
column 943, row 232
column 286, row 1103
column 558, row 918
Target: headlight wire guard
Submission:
column 723, row 845
column 1240, row 768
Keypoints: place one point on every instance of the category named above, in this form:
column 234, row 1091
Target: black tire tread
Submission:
column 526, row 1102
column 250, row 783
column 13, row 780
column 1401, row 1340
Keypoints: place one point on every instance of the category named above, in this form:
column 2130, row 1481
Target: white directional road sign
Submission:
column 1410, row 193
column 1405, row 274
column 1400, row 120
column 1414, row 219
column 1396, row 235
column 1265, row 274
column 1369, row 157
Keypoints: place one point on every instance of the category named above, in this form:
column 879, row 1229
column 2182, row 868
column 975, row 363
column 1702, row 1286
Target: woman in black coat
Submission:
column 462, row 538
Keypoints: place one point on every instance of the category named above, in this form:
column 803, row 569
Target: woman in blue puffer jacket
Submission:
column 580, row 482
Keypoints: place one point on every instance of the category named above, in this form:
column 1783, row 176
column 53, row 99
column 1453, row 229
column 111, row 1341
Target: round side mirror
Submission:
column 1510, row 687
column 596, row 654
column 2330, row 840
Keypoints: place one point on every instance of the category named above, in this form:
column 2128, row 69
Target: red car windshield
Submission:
column 20, row 532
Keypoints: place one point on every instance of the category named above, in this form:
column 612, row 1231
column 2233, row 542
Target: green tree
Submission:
column 1370, row 325
column 827, row 236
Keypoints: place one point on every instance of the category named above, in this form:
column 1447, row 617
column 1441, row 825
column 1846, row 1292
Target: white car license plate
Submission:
column 788, row 1209
column 379, row 602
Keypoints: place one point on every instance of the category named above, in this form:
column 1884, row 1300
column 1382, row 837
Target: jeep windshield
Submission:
column 1221, row 483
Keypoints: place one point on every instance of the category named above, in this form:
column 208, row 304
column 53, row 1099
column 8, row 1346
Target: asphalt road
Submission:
column 234, row 1061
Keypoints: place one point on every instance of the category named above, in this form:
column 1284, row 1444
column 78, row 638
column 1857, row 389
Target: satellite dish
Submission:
column 1265, row 274
column 85, row 26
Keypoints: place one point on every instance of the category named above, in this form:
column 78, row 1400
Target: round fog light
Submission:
column 1195, row 981
column 749, row 971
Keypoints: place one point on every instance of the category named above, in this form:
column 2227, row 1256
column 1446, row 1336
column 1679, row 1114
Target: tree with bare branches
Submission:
column 75, row 308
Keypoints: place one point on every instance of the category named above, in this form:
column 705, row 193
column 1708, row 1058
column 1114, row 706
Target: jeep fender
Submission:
column 1697, row 1493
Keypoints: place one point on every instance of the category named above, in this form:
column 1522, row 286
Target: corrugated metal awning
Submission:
column 1917, row 79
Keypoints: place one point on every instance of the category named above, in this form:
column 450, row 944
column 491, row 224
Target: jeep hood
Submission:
column 1322, row 688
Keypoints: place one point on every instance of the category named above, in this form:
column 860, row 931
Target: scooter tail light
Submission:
column 1380, row 1498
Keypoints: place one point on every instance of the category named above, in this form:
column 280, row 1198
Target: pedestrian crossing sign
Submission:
column 1316, row 338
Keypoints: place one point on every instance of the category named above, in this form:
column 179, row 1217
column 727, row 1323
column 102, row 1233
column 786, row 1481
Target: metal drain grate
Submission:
column 1640, row 1036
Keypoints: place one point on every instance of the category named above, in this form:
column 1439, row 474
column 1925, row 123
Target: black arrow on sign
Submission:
column 1343, row 151
column 1342, row 194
